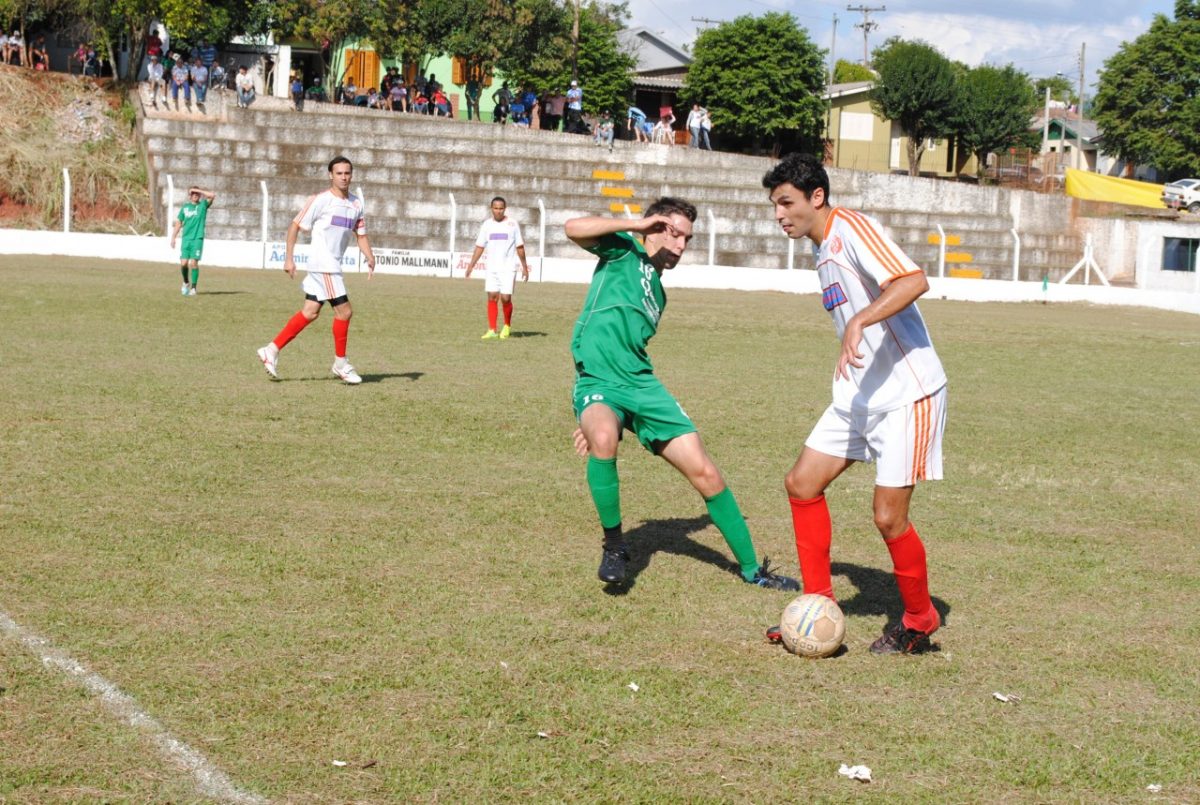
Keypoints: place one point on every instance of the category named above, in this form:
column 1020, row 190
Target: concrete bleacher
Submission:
column 407, row 166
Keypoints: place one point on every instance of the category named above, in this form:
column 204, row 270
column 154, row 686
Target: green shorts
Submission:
column 653, row 415
column 191, row 250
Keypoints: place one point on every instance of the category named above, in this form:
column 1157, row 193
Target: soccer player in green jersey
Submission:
column 615, row 386
column 191, row 220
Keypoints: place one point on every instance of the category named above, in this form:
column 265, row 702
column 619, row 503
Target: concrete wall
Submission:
column 258, row 255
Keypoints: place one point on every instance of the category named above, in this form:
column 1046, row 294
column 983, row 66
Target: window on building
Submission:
column 1179, row 254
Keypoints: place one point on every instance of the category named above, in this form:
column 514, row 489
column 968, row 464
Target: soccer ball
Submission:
column 812, row 626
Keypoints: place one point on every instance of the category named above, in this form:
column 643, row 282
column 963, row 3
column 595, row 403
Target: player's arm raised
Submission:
column 899, row 294
column 589, row 230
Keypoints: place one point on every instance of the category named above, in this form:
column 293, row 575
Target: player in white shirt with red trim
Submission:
column 334, row 217
column 500, row 237
column 889, row 392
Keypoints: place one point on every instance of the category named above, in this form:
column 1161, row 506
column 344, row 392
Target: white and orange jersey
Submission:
column 499, row 241
column 333, row 222
column 855, row 261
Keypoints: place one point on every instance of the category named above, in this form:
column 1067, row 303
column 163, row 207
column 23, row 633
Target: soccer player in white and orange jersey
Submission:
column 889, row 392
column 333, row 217
column 500, row 237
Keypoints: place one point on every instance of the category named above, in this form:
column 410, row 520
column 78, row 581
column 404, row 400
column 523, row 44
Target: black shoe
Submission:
column 612, row 564
column 774, row 634
column 898, row 639
column 765, row 577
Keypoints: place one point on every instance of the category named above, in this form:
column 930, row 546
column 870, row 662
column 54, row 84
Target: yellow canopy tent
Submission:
column 1097, row 187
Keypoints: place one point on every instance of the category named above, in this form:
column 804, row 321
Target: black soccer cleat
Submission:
column 612, row 564
column 899, row 639
column 774, row 634
column 765, row 577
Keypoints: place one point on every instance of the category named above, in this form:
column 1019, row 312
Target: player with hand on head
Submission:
column 615, row 386
column 333, row 217
column 500, row 237
column 889, row 392
column 192, row 218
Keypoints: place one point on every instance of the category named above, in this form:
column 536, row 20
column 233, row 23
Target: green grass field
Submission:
column 401, row 575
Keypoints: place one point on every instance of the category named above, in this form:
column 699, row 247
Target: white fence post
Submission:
column 791, row 252
column 453, row 226
column 712, row 237
column 170, row 203
column 1087, row 263
column 1016, row 255
column 264, row 223
column 66, row 200
column 941, row 251
column 541, row 237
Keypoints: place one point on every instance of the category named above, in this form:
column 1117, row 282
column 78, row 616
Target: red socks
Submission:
column 341, row 327
column 290, row 330
column 912, row 577
column 507, row 313
column 493, row 313
column 814, row 533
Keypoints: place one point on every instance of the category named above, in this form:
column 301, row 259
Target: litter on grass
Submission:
column 634, row 687
column 1007, row 698
column 860, row 773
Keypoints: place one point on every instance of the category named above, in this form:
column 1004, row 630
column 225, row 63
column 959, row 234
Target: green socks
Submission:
column 195, row 276
column 606, row 490
column 726, row 515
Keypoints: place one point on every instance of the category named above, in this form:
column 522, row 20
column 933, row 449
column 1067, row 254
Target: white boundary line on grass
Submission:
column 210, row 781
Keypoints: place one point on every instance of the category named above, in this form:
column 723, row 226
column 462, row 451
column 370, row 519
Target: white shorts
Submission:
column 905, row 443
column 324, row 286
column 500, row 281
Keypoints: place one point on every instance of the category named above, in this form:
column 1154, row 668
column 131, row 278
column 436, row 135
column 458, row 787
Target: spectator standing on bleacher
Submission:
column 473, row 91
column 705, row 127
column 179, row 81
column 349, row 93
column 432, row 87
column 199, row 74
column 574, row 109
column 154, row 77
column 245, row 88
column 297, row 90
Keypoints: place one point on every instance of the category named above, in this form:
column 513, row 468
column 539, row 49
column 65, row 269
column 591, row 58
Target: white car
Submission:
column 1184, row 193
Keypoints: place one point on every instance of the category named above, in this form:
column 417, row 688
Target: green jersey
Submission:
column 194, row 217
column 620, row 315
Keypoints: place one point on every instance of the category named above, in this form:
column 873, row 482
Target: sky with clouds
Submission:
column 1042, row 38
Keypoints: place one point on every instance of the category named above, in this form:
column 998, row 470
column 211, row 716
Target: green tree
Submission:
column 329, row 21
column 540, row 54
column 1148, row 102
column 760, row 77
column 845, row 72
column 917, row 89
column 1061, row 89
column 993, row 110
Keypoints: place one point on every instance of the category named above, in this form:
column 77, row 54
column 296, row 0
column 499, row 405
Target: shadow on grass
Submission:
column 672, row 535
column 219, row 293
column 877, row 594
column 376, row 378
column 526, row 334
column 366, row 378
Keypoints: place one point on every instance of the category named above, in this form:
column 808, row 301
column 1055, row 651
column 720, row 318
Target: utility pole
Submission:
column 707, row 21
column 832, row 67
column 1079, row 125
column 575, row 45
column 867, row 26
